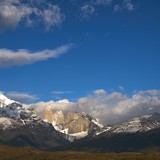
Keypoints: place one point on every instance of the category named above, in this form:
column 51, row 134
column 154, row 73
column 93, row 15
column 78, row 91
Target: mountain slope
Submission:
column 121, row 142
column 138, row 124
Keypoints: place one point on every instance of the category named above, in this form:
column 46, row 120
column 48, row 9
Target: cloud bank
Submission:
column 9, row 58
column 110, row 108
column 15, row 12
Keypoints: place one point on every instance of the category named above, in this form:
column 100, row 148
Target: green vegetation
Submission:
column 12, row 153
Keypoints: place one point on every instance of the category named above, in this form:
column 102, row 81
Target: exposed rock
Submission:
column 76, row 123
column 73, row 124
column 58, row 117
column 48, row 113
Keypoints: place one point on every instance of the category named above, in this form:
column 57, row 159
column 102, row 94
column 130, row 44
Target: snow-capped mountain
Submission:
column 20, row 126
column 74, row 125
column 138, row 124
column 14, row 114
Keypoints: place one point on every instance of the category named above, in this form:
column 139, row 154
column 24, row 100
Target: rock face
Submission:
column 22, row 127
column 58, row 118
column 48, row 114
column 77, row 125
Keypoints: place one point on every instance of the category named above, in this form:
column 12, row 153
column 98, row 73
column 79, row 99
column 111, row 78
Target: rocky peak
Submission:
column 71, row 116
column 76, row 123
column 48, row 114
column 73, row 124
column 58, row 117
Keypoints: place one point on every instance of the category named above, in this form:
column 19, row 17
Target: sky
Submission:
column 98, row 56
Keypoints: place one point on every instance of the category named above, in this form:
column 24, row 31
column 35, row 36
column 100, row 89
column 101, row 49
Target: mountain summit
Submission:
column 4, row 100
column 72, row 124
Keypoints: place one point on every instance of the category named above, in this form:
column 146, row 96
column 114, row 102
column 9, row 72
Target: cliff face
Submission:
column 58, row 118
column 76, row 123
column 72, row 123
column 48, row 114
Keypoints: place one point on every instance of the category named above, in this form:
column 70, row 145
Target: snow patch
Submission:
column 79, row 134
column 146, row 116
column 4, row 101
column 103, row 130
column 97, row 123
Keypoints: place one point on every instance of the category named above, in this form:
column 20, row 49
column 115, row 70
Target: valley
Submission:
column 10, row 153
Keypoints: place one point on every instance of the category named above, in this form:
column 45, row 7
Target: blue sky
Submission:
column 72, row 48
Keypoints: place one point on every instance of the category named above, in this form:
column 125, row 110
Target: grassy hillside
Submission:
column 12, row 153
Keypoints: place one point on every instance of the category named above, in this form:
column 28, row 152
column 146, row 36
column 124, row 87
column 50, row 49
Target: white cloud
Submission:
column 116, row 107
column 22, row 97
column 150, row 92
column 63, row 105
column 9, row 58
column 110, row 108
column 12, row 13
column 100, row 92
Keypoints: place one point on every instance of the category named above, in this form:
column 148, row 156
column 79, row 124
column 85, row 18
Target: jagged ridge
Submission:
column 74, row 125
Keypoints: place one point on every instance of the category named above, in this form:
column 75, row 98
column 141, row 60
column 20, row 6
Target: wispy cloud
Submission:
column 89, row 7
column 121, row 88
column 87, row 10
column 61, row 92
column 101, row 2
column 9, row 58
column 14, row 12
column 126, row 5
column 109, row 107
column 22, row 97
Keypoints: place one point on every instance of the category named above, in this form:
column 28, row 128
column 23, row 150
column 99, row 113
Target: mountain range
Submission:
column 56, row 130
